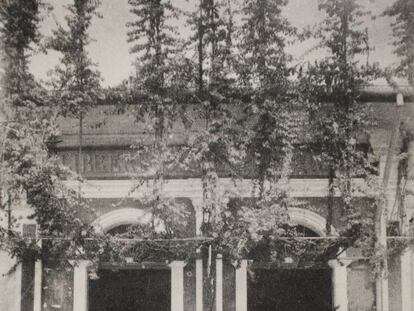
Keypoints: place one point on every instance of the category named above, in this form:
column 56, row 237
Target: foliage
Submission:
column 253, row 122
column 402, row 13
column 155, row 42
column 262, row 40
column 339, row 125
column 214, row 143
column 31, row 175
column 18, row 26
column 403, row 29
column 255, row 109
column 263, row 71
column 76, row 83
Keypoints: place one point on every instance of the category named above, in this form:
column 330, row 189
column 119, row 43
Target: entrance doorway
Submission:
column 289, row 290
column 131, row 290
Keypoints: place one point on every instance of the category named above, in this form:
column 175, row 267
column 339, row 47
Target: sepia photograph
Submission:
column 206, row 155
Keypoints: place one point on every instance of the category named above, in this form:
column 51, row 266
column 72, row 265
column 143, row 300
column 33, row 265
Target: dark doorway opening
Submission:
column 131, row 290
column 290, row 290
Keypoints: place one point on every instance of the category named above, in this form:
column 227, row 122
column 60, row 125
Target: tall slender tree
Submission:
column 30, row 173
column 263, row 70
column 155, row 90
column 19, row 30
column 403, row 30
column 336, row 116
column 76, row 82
column 213, row 147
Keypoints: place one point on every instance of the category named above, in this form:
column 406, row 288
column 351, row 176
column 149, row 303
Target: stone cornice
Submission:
column 192, row 188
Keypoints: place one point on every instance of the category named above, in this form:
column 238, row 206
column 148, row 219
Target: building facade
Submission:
column 345, row 284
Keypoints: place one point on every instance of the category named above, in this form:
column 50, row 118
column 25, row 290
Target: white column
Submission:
column 382, row 294
column 177, row 285
column 339, row 285
column 406, row 281
column 80, row 284
column 219, row 282
column 37, row 304
column 241, row 286
column 199, row 282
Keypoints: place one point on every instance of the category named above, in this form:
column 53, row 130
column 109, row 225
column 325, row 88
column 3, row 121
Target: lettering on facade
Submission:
column 100, row 162
column 120, row 163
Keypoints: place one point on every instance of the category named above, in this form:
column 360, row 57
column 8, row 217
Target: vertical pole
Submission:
column 80, row 157
column 381, row 217
column 37, row 303
column 80, row 138
column 219, row 283
column 406, row 213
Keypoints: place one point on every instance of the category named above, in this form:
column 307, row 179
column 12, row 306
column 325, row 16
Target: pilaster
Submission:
column 339, row 284
column 199, row 281
column 177, row 285
column 80, row 284
column 241, row 286
column 37, row 304
column 406, row 280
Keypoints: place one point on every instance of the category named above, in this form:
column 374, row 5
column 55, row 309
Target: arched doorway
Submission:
column 134, row 287
column 131, row 289
column 337, row 273
column 289, row 288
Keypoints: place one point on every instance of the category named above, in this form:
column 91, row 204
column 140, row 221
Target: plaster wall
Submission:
column 9, row 284
column 361, row 288
column 394, row 283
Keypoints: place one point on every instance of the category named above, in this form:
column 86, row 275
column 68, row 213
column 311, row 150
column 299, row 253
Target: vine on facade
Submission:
column 257, row 111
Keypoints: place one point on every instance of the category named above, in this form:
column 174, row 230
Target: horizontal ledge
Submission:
column 192, row 188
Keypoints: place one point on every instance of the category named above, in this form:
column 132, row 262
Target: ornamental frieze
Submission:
column 117, row 163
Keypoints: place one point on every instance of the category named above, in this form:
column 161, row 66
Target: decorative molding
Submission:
column 310, row 220
column 100, row 163
column 112, row 161
column 192, row 188
column 122, row 216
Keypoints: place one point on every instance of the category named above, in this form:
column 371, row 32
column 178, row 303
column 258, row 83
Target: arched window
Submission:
column 302, row 231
